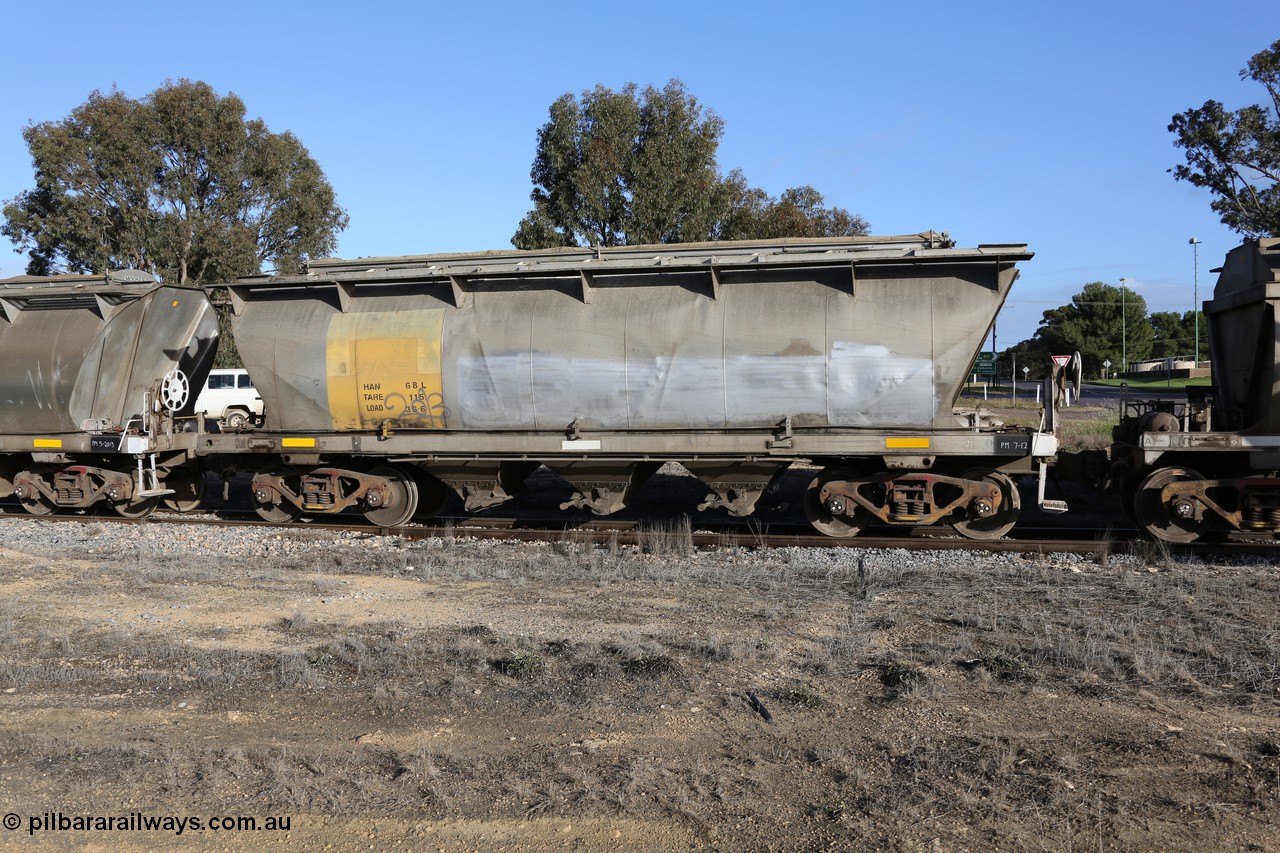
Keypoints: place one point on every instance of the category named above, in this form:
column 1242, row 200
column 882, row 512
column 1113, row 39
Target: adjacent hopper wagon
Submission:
column 96, row 376
column 388, row 382
column 1212, row 464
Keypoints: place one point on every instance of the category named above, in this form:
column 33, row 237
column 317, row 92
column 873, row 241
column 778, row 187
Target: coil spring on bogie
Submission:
column 909, row 508
column 908, row 500
column 70, row 496
column 1261, row 517
column 318, row 498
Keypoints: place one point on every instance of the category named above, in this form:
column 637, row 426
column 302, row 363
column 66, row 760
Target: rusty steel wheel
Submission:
column 281, row 513
column 38, row 504
column 276, row 513
column 838, row 517
column 398, row 502
column 973, row 524
column 1176, row 521
column 188, row 490
column 32, row 499
column 136, row 509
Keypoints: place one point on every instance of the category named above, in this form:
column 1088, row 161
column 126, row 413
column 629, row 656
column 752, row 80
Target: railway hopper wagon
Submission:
column 389, row 382
column 1211, row 464
column 96, row 377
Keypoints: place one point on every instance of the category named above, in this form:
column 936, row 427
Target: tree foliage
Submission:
column 639, row 166
column 178, row 183
column 752, row 214
column 1032, row 354
column 1236, row 155
column 1175, row 334
column 1095, row 325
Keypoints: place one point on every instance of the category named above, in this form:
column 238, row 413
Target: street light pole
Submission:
column 1195, row 292
column 1124, row 331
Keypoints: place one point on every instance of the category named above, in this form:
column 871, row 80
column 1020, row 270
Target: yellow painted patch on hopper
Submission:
column 47, row 442
column 297, row 442
column 385, row 366
column 913, row 443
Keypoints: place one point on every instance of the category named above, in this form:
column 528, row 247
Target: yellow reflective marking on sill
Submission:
column 48, row 442
column 921, row 443
column 297, row 442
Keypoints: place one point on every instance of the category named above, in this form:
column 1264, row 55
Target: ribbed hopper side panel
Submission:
column 888, row 347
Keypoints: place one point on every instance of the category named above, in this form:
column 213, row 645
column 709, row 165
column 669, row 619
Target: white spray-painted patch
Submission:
column 855, row 385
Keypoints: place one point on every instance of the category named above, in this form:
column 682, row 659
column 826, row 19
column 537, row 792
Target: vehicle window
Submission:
column 245, row 381
column 221, row 381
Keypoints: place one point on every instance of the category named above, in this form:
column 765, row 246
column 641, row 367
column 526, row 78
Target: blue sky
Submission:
column 1042, row 123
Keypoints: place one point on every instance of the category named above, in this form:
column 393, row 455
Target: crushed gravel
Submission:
column 249, row 543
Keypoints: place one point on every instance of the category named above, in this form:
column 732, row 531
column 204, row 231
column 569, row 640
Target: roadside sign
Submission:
column 1060, row 360
column 985, row 365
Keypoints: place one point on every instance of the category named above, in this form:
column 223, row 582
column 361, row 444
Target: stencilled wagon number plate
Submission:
column 1013, row 445
column 104, row 443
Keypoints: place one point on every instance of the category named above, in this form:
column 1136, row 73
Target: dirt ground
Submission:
column 453, row 695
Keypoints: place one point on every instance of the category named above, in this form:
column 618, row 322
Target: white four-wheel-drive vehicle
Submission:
column 229, row 398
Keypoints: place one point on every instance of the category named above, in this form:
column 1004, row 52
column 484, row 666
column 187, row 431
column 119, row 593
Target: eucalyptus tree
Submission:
column 178, row 183
column 1236, row 154
column 639, row 166
column 1100, row 323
